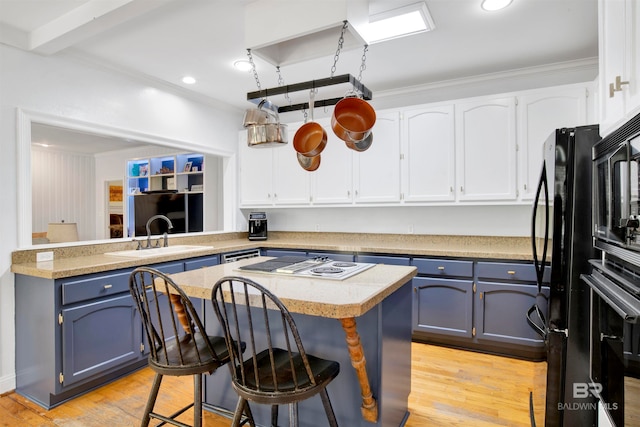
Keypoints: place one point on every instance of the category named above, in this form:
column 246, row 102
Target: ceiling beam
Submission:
column 85, row 21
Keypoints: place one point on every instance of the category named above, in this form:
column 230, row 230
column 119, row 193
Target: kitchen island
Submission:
column 363, row 321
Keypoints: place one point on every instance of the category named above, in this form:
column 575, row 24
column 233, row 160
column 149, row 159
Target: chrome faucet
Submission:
column 166, row 241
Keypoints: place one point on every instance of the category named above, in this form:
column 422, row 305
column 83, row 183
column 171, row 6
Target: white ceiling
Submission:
column 166, row 39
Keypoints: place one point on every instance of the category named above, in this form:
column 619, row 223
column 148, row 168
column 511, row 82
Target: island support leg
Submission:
column 369, row 405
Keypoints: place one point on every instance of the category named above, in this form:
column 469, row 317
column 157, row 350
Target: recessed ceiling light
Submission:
column 491, row 5
column 188, row 80
column 242, row 65
column 399, row 22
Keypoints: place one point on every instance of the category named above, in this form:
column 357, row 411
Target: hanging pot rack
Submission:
column 259, row 96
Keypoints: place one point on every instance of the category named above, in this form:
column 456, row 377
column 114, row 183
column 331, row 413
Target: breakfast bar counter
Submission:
column 371, row 311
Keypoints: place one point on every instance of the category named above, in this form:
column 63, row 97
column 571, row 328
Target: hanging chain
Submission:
column 340, row 43
column 253, row 68
column 281, row 83
column 363, row 66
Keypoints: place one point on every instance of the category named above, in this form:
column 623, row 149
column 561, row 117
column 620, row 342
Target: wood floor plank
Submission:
column 449, row 388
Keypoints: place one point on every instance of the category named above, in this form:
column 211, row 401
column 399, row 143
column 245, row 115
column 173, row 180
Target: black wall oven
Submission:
column 614, row 280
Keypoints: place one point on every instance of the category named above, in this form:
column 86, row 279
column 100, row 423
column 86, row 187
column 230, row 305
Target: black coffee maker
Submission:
column 257, row 226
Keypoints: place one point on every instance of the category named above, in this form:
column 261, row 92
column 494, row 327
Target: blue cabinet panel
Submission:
column 443, row 267
column 97, row 337
column 510, row 271
column 381, row 259
column 501, row 313
column 92, row 286
column 284, row 252
column 194, row 264
column 443, row 306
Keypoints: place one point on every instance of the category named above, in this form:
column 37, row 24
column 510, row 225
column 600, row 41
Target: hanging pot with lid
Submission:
column 264, row 128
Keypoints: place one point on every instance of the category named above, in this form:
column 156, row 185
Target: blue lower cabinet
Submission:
column 97, row 337
column 443, row 306
column 500, row 313
column 479, row 305
column 77, row 333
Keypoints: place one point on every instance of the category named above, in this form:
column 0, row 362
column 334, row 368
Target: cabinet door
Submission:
column 486, row 150
column 256, row 174
column 539, row 114
column 443, row 306
column 377, row 170
column 428, row 150
column 98, row 337
column 290, row 180
column 619, row 43
column 332, row 182
column 500, row 313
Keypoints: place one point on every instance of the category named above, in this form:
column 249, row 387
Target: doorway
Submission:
column 115, row 211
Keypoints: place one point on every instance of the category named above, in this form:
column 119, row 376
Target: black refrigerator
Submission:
column 561, row 234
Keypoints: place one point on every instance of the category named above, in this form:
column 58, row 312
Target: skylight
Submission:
column 396, row 23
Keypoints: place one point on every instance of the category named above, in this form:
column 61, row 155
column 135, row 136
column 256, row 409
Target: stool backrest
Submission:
column 174, row 331
column 251, row 314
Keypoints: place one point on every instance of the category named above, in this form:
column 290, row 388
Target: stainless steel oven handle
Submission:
column 622, row 303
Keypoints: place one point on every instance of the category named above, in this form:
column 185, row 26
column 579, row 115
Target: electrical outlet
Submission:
column 410, row 229
column 317, row 227
column 44, row 256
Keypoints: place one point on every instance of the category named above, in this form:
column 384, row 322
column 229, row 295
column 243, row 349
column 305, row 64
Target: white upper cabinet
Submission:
column 256, row 174
column 428, row 150
column 332, row 182
column 290, row 180
column 486, row 149
column 540, row 112
column 376, row 171
column 619, row 76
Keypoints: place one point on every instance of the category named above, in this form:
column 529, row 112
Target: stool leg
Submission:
column 240, row 409
column 274, row 415
column 331, row 416
column 197, row 400
column 151, row 401
column 293, row 414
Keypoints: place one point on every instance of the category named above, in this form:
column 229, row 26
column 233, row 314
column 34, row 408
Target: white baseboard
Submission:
column 7, row 383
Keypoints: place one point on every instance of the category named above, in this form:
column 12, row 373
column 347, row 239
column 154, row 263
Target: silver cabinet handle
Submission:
column 441, row 268
column 108, row 286
column 511, row 272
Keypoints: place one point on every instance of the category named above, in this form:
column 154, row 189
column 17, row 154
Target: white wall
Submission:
column 76, row 91
column 437, row 220
column 63, row 190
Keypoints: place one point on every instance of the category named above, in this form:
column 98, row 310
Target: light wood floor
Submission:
column 449, row 388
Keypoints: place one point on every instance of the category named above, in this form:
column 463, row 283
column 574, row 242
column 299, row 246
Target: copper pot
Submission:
column 309, row 163
column 353, row 119
column 311, row 138
column 361, row 145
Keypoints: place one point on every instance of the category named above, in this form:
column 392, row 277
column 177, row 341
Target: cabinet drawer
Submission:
column 380, row 259
column 201, row 262
column 510, row 271
column 94, row 286
column 443, row 267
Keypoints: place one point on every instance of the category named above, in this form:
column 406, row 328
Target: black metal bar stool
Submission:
column 178, row 344
column 278, row 371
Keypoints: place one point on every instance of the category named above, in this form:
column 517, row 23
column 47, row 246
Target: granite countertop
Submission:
column 335, row 299
column 75, row 260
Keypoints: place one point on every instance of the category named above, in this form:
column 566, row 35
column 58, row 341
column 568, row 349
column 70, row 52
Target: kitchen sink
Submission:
column 147, row 253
